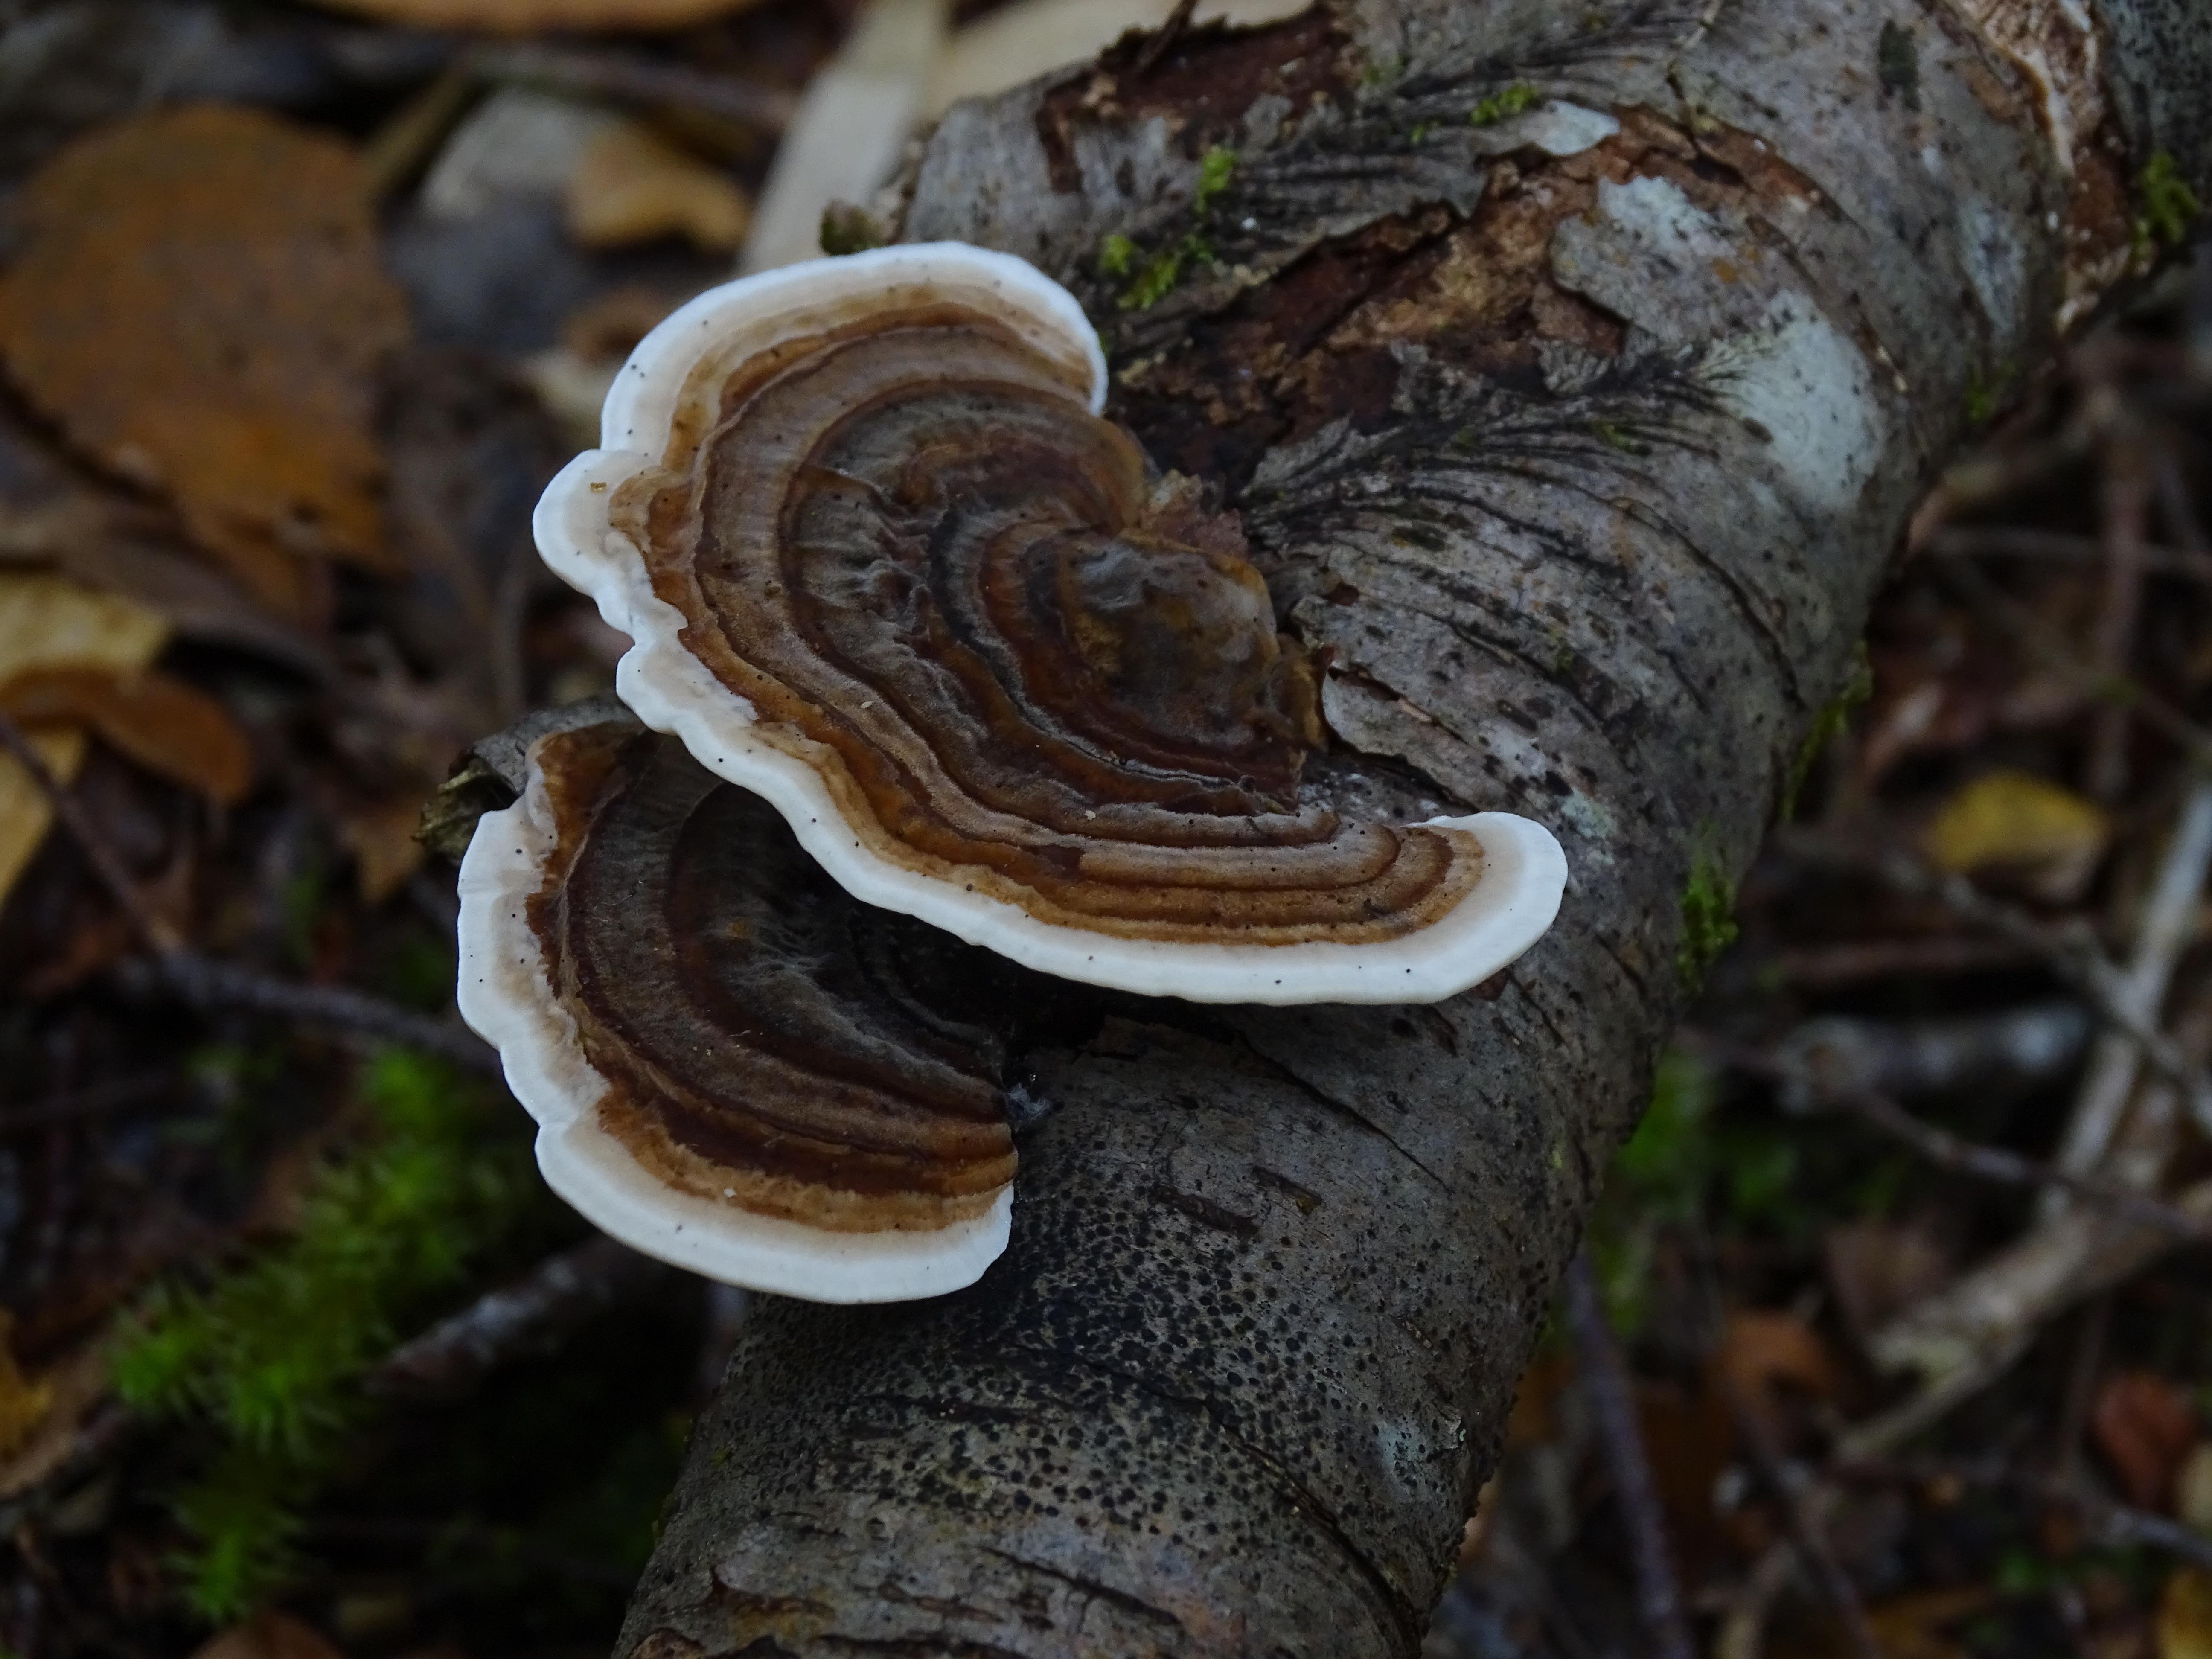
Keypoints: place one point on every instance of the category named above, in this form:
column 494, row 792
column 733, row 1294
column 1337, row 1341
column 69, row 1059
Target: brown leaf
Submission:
column 381, row 838
column 196, row 301
column 269, row 1635
column 1768, row 1356
column 1878, row 1268
column 2144, row 1426
column 168, row 727
column 23, row 1403
column 634, row 186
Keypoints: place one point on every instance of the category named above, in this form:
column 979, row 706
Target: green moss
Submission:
column 1215, row 169
column 1116, row 254
column 1827, row 726
column 1508, row 101
column 849, row 229
column 2165, row 207
column 1614, row 436
column 1708, row 918
column 263, row 1360
column 1156, row 280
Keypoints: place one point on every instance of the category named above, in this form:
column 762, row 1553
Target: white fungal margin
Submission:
column 1524, row 872
column 506, row 995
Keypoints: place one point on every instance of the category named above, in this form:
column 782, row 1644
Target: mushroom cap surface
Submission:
column 885, row 565
column 734, row 1066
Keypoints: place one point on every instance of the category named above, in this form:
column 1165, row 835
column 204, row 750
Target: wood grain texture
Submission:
column 1580, row 449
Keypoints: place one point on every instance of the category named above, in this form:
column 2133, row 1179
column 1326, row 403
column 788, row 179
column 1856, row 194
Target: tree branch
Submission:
column 1575, row 374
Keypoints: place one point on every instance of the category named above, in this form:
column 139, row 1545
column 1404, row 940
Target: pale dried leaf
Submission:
column 2184, row 1616
column 71, row 1388
column 196, row 301
column 49, row 623
column 633, row 186
column 2015, row 820
column 2192, row 1488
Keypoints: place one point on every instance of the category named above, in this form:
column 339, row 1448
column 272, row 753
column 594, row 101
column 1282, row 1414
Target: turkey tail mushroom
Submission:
column 734, row 1066
column 886, row 566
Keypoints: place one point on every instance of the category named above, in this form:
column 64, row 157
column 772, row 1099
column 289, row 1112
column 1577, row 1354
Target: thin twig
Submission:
column 2167, row 917
column 90, row 1101
column 1163, row 37
column 2124, row 510
column 2059, row 547
column 1954, row 1152
column 204, row 982
column 766, row 109
column 533, row 1314
column 2116, row 1523
column 2073, row 954
column 1605, row 1382
column 1806, row 1529
column 2054, row 652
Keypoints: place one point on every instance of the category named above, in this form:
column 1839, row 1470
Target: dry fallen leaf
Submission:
column 23, row 1403
column 1766, row 1357
column 2144, row 1426
column 1880, row 1269
column 542, row 16
column 381, row 838
column 2184, row 1616
column 2192, row 1488
column 49, row 623
column 632, row 186
column 196, row 300
column 2015, row 820
column 70, row 1387
column 168, row 727
column 269, row 1635
column 1916, row 1626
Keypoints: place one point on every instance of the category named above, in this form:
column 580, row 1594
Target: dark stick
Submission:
column 533, row 1314
column 1658, row 1599
column 767, row 109
column 205, row 982
column 2118, row 1523
column 1960, row 1155
column 1805, row 1535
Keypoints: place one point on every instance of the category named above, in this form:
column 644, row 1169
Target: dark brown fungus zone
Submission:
column 887, row 566
column 735, row 1065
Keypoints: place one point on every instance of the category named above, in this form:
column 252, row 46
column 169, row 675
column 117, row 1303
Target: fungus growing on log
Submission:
column 886, row 566
column 734, row 1066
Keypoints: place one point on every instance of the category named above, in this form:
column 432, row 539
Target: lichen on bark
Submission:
column 1578, row 439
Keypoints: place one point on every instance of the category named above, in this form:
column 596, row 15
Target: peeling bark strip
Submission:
column 1575, row 370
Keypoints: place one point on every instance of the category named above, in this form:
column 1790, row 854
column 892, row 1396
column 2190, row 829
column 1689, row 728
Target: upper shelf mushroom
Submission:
column 886, row 565
column 734, row 1066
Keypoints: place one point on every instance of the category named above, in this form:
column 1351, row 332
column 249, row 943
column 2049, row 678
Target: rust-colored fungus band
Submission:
column 888, row 567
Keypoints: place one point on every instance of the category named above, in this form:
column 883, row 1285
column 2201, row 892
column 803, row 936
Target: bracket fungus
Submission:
column 734, row 1066
column 886, row 566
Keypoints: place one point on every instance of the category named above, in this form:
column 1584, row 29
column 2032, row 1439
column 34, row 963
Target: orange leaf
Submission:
column 168, row 727
column 196, row 300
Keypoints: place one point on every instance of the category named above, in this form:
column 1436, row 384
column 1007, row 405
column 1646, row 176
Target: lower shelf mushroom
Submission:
column 734, row 1066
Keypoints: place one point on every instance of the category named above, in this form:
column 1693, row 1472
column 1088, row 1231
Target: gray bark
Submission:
column 1584, row 455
